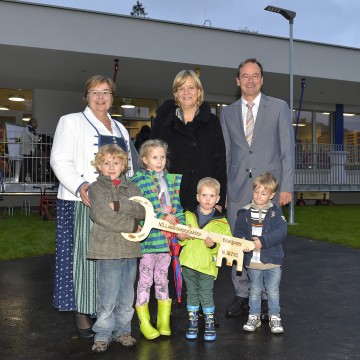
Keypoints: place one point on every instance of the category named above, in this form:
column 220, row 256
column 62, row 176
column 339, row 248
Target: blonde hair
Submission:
column 210, row 183
column 268, row 181
column 180, row 79
column 96, row 80
column 151, row 144
column 115, row 151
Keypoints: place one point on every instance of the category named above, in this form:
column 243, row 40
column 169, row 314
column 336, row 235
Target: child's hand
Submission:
column 138, row 229
column 183, row 236
column 246, row 249
column 172, row 219
column 208, row 242
column 257, row 243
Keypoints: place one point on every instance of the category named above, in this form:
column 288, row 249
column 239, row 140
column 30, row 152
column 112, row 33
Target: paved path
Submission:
column 320, row 296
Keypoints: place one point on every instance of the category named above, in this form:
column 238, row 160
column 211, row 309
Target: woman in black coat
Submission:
column 194, row 136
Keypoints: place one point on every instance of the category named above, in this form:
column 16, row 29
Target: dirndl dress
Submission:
column 75, row 275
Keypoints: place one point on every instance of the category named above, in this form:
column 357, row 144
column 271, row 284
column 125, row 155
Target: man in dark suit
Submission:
column 259, row 137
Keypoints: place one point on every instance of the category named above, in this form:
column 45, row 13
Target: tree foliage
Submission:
column 246, row 30
column 138, row 10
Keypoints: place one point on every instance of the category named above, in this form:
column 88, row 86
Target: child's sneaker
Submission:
column 275, row 325
column 100, row 346
column 252, row 323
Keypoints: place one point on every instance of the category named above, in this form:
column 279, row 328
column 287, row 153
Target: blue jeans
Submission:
column 271, row 280
column 115, row 298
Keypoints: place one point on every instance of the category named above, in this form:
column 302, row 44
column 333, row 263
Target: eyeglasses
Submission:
column 97, row 93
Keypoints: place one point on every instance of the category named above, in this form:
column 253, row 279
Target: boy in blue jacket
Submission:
column 263, row 222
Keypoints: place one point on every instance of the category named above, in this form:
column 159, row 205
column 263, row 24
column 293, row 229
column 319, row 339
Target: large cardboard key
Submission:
column 231, row 248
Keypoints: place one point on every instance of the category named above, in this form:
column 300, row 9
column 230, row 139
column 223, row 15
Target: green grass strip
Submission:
column 338, row 224
column 26, row 236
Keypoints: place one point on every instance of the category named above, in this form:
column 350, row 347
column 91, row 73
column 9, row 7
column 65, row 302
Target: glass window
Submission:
column 303, row 129
column 323, row 129
column 216, row 108
column 352, row 130
column 137, row 113
column 352, row 141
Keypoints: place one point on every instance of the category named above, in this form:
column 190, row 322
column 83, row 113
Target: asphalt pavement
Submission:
column 320, row 301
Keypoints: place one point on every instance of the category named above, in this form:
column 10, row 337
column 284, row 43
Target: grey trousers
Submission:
column 240, row 280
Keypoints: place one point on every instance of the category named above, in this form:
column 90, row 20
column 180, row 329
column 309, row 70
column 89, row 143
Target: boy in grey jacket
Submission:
column 113, row 213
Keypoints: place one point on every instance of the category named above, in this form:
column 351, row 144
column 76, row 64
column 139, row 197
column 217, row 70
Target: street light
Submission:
column 288, row 15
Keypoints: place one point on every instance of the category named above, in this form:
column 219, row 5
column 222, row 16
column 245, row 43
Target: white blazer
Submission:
column 75, row 144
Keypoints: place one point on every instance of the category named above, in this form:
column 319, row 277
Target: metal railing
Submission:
column 325, row 167
column 23, row 167
column 320, row 167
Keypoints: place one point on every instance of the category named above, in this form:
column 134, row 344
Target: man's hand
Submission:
column 285, row 198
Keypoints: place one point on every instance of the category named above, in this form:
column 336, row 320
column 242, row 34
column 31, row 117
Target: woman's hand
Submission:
column 84, row 194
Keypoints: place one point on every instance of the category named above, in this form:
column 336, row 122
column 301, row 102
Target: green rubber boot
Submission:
column 163, row 317
column 146, row 328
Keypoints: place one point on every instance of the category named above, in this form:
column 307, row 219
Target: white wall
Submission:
column 50, row 105
column 64, row 29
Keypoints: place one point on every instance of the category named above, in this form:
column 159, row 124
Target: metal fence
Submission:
column 23, row 167
column 324, row 167
column 320, row 167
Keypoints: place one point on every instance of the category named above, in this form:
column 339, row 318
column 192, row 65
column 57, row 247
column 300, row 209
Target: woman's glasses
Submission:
column 98, row 93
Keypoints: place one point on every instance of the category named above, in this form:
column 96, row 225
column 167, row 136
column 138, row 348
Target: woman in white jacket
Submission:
column 77, row 139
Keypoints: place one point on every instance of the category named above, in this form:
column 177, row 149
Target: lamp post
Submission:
column 288, row 15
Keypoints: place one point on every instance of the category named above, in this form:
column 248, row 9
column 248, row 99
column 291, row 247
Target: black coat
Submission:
column 196, row 149
column 140, row 139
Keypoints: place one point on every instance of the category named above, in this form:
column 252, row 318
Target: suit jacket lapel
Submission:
column 238, row 117
column 260, row 117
